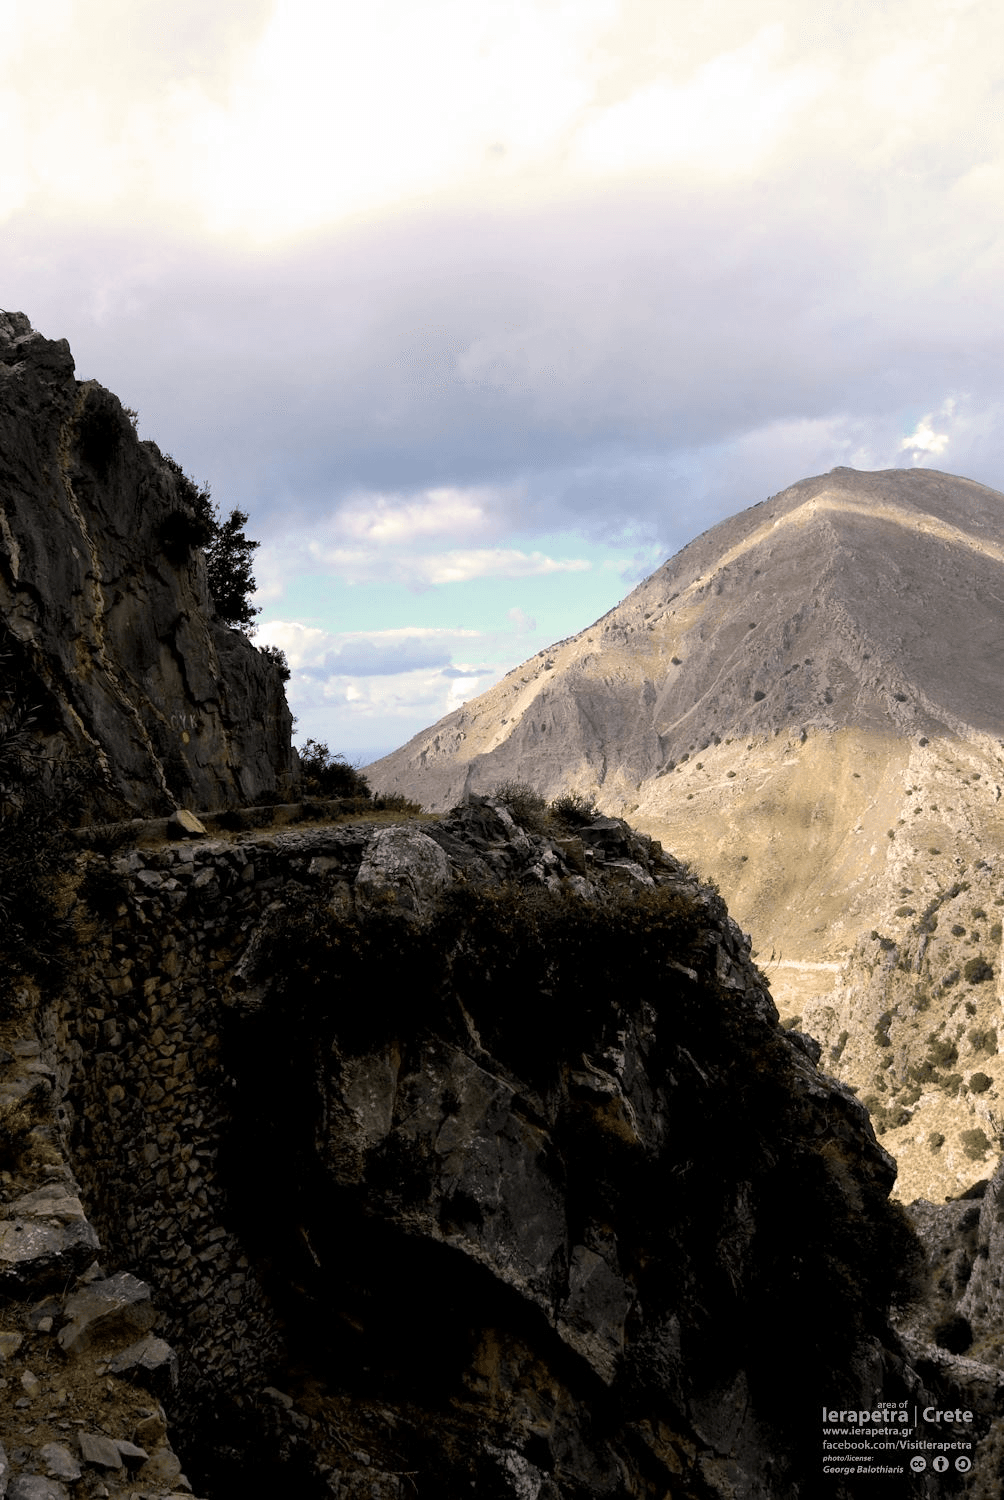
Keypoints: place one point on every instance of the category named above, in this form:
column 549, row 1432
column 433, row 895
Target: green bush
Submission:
column 323, row 774
column 977, row 970
column 396, row 802
column 983, row 1041
column 882, row 1025
column 979, row 1083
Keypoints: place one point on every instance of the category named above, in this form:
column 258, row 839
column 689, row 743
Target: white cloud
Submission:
column 426, row 570
column 363, row 652
column 394, row 520
column 924, row 440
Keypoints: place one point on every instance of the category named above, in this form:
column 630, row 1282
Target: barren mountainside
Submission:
column 804, row 702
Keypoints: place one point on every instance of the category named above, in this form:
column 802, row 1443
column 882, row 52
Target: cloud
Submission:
column 396, row 520
column 371, row 690
column 924, row 442
column 430, row 287
column 425, row 570
column 726, row 117
column 320, row 653
column 522, row 621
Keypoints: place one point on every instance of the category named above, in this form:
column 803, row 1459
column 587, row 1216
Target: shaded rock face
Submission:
column 955, row 1332
column 498, row 1158
column 104, row 598
column 464, row 1155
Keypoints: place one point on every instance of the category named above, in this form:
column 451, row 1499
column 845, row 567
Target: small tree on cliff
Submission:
column 227, row 547
column 228, row 563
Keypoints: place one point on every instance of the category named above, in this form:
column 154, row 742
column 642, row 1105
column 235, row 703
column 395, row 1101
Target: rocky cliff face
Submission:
column 461, row 1156
column 803, row 702
column 104, row 601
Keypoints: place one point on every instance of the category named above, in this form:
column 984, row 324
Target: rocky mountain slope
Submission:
column 805, row 703
column 106, row 613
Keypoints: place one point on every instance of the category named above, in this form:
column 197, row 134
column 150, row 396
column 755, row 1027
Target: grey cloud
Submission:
column 613, row 355
column 383, row 659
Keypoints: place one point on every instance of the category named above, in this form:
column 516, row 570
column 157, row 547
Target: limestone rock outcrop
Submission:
column 104, row 602
column 485, row 1167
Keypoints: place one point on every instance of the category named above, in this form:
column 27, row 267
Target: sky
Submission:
column 481, row 309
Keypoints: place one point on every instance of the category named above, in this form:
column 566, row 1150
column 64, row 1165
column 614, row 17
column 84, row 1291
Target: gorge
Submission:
column 363, row 1153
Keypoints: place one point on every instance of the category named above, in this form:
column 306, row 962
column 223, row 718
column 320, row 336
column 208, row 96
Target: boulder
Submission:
column 37, row 1252
column 116, row 1308
column 405, row 863
column 150, row 1362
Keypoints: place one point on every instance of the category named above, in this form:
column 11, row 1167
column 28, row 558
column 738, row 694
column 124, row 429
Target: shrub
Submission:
column 277, row 657
column 983, row 1041
column 882, row 1025
column 574, row 809
column 975, row 1144
column 977, row 970
column 953, row 1333
column 524, row 802
column 979, row 1083
column 942, row 1053
column 18, row 1119
column 396, row 802
column 323, row 774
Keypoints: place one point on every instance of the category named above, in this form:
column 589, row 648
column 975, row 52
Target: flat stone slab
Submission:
column 36, row 1252
column 118, row 1307
column 99, row 1450
column 36, row 1487
column 59, row 1461
column 150, row 1362
column 49, row 1202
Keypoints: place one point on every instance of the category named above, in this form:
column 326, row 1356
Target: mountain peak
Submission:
column 805, row 704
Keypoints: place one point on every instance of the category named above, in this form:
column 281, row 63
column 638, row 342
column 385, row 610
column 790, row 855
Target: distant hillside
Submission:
column 804, row 702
